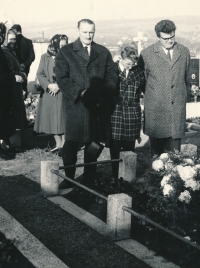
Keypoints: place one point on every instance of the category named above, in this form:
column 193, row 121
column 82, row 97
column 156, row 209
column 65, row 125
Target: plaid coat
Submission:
column 126, row 118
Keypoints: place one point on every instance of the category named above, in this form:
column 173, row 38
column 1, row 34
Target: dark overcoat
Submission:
column 126, row 118
column 165, row 91
column 49, row 110
column 18, row 104
column 25, row 51
column 7, row 127
column 75, row 73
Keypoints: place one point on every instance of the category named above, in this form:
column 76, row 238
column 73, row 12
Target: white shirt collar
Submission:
column 166, row 51
column 122, row 68
column 88, row 46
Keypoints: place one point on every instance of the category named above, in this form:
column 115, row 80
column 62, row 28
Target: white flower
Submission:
column 158, row 165
column 185, row 197
column 164, row 157
column 167, row 189
column 197, row 166
column 31, row 116
column 189, row 161
column 169, row 165
column 191, row 183
column 165, row 180
column 187, row 172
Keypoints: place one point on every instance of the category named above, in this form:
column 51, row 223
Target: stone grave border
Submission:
column 119, row 210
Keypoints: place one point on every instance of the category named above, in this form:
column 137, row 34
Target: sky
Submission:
column 49, row 11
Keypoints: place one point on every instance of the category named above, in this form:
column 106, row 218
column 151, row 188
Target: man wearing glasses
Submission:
column 166, row 66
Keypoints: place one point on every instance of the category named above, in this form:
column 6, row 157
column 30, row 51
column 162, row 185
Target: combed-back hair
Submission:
column 85, row 21
column 165, row 26
column 129, row 52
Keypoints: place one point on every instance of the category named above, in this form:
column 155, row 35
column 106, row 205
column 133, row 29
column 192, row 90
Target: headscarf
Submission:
column 55, row 41
column 12, row 48
column 2, row 33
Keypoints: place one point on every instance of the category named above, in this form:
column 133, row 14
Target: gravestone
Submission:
column 194, row 74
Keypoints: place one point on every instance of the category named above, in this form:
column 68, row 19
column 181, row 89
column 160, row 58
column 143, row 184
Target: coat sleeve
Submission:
column 42, row 78
column 111, row 76
column 31, row 57
column 10, row 63
column 68, row 87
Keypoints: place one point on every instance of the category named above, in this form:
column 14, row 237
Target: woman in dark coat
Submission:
column 49, row 111
column 7, row 128
column 126, row 118
column 14, row 69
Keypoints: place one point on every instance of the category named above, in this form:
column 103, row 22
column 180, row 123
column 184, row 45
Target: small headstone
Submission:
column 189, row 149
column 193, row 77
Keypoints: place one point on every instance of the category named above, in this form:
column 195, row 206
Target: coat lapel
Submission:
column 93, row 53
column 159, row 50
column 176, row 54
column 79, row 49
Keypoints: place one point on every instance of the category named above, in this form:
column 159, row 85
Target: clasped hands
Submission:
column 53, row 89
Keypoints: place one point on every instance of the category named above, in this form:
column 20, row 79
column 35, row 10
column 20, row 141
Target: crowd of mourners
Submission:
column 89, row 99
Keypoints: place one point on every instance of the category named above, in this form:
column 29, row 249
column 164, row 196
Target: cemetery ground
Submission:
column 71, row 241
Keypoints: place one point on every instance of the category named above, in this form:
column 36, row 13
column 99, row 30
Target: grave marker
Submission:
column 193, row 76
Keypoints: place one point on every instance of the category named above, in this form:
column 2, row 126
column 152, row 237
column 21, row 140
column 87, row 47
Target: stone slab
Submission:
column 27, row 244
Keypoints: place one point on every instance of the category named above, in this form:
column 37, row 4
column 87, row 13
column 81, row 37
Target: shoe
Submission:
column 60, row 152
column 65, row 184
column 4, row 154
column 8, row 150
column 55, row 149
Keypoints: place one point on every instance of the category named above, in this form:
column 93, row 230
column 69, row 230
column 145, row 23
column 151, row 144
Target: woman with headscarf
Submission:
column 14, row 69
column 49, row 112
column 7, row 128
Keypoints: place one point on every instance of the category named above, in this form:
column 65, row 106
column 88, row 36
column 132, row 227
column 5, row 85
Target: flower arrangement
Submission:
column 195, row 91
column 31, row 103
column 180, row 175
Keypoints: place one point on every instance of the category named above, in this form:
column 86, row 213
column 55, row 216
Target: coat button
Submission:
column 172, row 102
column 172, row 86
column 88, row 70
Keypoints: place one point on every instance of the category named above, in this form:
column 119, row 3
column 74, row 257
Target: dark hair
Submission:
column 17, row 28
column 85, row 21
column 129, row 52
column 165, row 26
column 64, row 37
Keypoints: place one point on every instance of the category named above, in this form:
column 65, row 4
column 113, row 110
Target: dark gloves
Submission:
column 94, row 98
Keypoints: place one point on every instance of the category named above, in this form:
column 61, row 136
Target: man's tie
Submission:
column 86, row 50
column 169, row 55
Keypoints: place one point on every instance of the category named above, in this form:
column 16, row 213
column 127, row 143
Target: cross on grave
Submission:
column 140, row 39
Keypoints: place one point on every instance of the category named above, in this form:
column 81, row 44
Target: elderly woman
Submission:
column 14, row 69
column 126, row 118
column 7, row 126
column 49, row 113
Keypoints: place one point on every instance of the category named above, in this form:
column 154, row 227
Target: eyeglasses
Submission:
column 167, row 39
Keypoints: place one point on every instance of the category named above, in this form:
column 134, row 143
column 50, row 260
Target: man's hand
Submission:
column 53, row 89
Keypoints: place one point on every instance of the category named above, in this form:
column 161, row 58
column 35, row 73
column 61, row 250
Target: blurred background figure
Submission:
column 7, row 128
column 14, row 68
column 49, row 112
column 25, row 53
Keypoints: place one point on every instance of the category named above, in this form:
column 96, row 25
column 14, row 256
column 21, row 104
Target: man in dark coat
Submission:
column 7, row 126
column 25, row 52
column 166, row 65
column 87, row 77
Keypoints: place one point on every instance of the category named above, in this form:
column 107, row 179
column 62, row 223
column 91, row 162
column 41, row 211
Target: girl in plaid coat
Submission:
column 126, row 118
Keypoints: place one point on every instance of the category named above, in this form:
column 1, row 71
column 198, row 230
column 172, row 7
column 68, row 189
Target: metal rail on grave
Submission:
column 160, row 227
column 134, row 213
column 91, row 163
